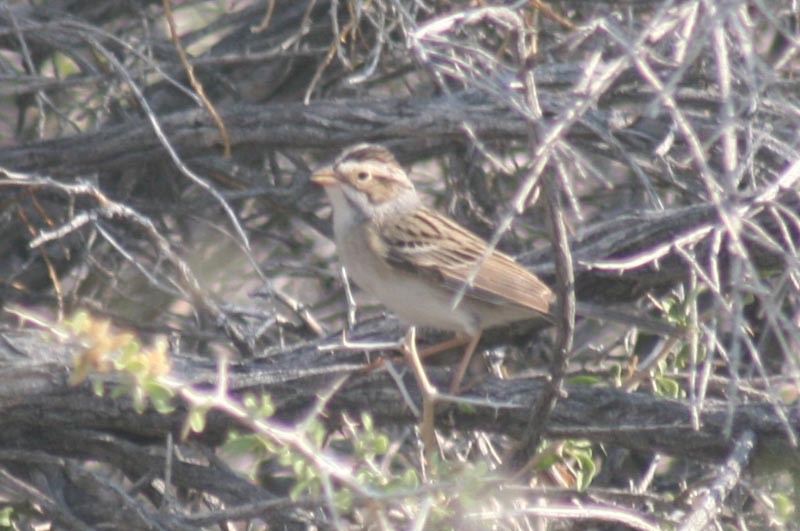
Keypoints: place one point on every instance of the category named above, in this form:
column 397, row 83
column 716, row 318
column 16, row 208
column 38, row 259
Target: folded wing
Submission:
column 428, row 243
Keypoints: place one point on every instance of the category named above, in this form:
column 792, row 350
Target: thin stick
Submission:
column 198, row 87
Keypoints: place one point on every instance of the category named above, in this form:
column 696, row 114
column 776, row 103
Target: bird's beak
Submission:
column 324, row 176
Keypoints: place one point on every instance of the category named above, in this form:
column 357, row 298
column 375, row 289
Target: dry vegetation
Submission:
column 154, row 162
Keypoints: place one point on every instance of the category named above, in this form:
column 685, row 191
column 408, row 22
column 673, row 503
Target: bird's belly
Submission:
column 414, row 300
column 419, row 304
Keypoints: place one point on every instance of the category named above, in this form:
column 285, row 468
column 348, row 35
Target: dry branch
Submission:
column 36, row 396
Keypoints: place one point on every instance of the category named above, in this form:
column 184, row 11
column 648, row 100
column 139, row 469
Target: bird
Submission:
column 419, row 263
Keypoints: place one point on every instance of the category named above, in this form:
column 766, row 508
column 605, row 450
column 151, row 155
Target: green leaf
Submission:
column 139, row 399
column 409, row 478
column 366, row 421
column 300, row 467
column 316, row 431
column 271, row 447
column 380, row 444
column 160, row 396
column 299, row 488
column 243, row 444
column 615, row 370
column 364, row 476
column 587, row 471
column 343, row 499
column 135, row 366
column 78, row 322
column 584, row 379
column 784, row 506
column 195, row 420
column 579, row 445
column 65, row 65
column 668, row 386
column 249, row 401
column 547, row 461
column 6, row 517
column 285, row 457
column 118, row 391
column 130, row 350
column 266, row 409
column 581, row 451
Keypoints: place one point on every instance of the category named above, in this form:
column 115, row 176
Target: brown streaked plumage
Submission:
column 449, row 253
column 415, row 260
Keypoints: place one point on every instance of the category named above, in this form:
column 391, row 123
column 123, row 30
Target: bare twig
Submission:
column 198, row 87
column 565, row 326
column 706, row 504
column 110, row 210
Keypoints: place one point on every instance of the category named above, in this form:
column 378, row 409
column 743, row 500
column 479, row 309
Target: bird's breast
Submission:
column 414, row 299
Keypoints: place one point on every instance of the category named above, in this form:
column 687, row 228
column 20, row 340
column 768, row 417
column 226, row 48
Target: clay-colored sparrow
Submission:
column 415, row 260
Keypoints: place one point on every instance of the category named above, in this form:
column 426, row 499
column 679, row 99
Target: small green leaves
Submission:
column 249, row 443
column 195, row 421
column 160, row 396
column 572, row 458
column 668, row 387
column 370, row 442
column 581, row 451
column 259, row 406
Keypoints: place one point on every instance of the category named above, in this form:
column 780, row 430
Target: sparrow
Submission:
column 419, row 263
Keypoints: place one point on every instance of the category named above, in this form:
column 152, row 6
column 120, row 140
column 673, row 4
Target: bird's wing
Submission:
column 428, row 243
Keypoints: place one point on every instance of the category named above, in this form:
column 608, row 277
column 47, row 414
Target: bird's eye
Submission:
column 363, row 176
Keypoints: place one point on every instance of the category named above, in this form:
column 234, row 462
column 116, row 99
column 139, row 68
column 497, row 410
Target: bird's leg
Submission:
column 455, row 383
column 428, row 391
column 443, row 345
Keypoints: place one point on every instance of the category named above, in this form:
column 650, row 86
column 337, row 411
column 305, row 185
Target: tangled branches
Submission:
column 154, row 173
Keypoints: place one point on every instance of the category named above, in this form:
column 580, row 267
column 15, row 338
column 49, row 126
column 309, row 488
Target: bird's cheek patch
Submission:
column 379, row 192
